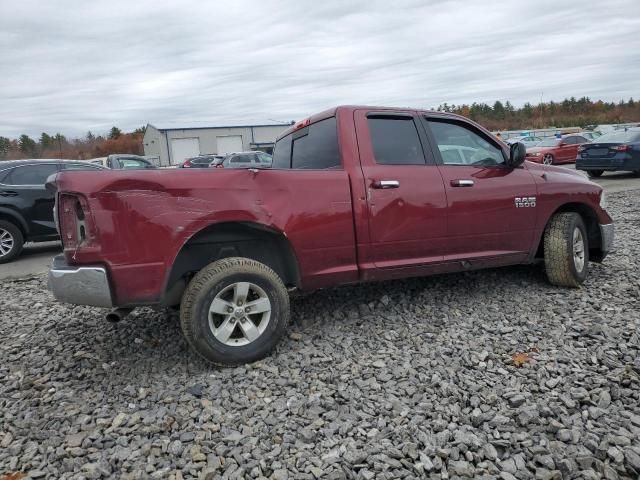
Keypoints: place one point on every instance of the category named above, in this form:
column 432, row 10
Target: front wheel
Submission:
column 234, row 311
column 595, row 173
column 547, row 159
column 566, row 250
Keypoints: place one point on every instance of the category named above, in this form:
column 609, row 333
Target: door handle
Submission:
column 462, row 183
column 8, row 193
column 385, row 184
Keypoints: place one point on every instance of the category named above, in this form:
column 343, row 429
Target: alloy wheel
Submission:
column 578, row 249
column 547, row 159
column 239, row 314
column 6, row 242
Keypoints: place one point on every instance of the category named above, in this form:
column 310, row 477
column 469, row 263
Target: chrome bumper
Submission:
column 86, row 285
column 606, row 236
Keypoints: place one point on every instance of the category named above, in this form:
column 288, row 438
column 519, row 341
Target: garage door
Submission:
column 229, row 144
column 183, row 148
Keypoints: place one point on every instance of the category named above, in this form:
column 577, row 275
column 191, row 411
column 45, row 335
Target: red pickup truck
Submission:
column 355, row 194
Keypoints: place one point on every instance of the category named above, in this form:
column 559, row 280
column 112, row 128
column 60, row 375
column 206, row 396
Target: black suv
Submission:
column 26, row 207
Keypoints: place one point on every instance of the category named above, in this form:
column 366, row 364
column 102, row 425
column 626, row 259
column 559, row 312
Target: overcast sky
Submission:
column 73, row 66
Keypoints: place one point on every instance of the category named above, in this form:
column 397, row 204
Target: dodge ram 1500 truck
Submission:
column 354, row 194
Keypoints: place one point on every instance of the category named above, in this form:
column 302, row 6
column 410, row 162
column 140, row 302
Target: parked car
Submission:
column 615, row 151
column 202, row 161
column 253, row 159
column 590, row 135
column 354, row 194
column 26, row 207
column 123, row 162
column 527, row 140
column 556, row 150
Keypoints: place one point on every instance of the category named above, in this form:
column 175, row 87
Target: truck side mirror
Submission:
column 517, row 153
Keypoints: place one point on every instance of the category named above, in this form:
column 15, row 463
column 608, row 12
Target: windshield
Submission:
column 620, row 136
column 550, row 142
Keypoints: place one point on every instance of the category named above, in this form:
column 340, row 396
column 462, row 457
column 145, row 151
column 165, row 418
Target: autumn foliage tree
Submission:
column 571, row 112
column 58, row 146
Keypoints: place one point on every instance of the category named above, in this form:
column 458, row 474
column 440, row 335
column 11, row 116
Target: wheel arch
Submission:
column 231, row 239
column 591, row 223
column 16, row 219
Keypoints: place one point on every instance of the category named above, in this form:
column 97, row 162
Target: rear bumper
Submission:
column 606, row 238
column 607, row 164
column 85, row 285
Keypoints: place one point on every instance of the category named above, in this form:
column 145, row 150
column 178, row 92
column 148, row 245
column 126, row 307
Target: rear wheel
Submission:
column 595, row 173
column 547, row 159
column 11, row 241
column 566, row 250
column 234, row 311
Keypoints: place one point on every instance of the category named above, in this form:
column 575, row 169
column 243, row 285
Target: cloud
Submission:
column 73, row 66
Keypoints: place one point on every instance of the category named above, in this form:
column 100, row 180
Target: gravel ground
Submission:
column 490, row 374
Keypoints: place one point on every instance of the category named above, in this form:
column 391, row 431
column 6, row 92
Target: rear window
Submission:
column 312, row 148
column 80, row 166
column 4, row 174
column 619, row 137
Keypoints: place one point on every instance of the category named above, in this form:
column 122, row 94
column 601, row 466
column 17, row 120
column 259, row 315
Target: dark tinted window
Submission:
column 395, row 141
column 248, row 158
column 4, row 174
column 580, row 139
column 264, row 158
column 619, row 136
column 282, row 153
column 80, row 166
column 31, row 174
column 132, row 163
column 471, row 146
column 316, row 146
column 569, row 140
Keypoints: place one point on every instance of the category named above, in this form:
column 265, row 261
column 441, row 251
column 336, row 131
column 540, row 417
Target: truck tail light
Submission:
column 622, row 148
column 74, row 225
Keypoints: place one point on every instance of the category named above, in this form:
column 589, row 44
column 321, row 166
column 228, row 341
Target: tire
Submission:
column 233, row 337
column 547, row 159
column 595, row 173
column 11, row 241
column 561, row 240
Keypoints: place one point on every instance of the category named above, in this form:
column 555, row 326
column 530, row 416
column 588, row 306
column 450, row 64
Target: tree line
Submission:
column 570, row 112
column 59, row 146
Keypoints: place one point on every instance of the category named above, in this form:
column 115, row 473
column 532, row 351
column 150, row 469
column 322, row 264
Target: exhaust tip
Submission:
column 117, row 314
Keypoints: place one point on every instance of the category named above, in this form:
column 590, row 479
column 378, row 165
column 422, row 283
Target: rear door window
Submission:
column 395, row 141
column 31, row 174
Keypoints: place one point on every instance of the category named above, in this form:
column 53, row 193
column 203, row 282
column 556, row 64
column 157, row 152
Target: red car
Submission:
column 355, row 194
column 556, row 150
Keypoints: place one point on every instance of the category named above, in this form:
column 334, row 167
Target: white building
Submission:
column 172, row 144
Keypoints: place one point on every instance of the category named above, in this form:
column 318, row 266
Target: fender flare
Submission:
column 16, row 216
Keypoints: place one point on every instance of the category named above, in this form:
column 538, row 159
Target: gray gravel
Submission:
column 406, row 379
